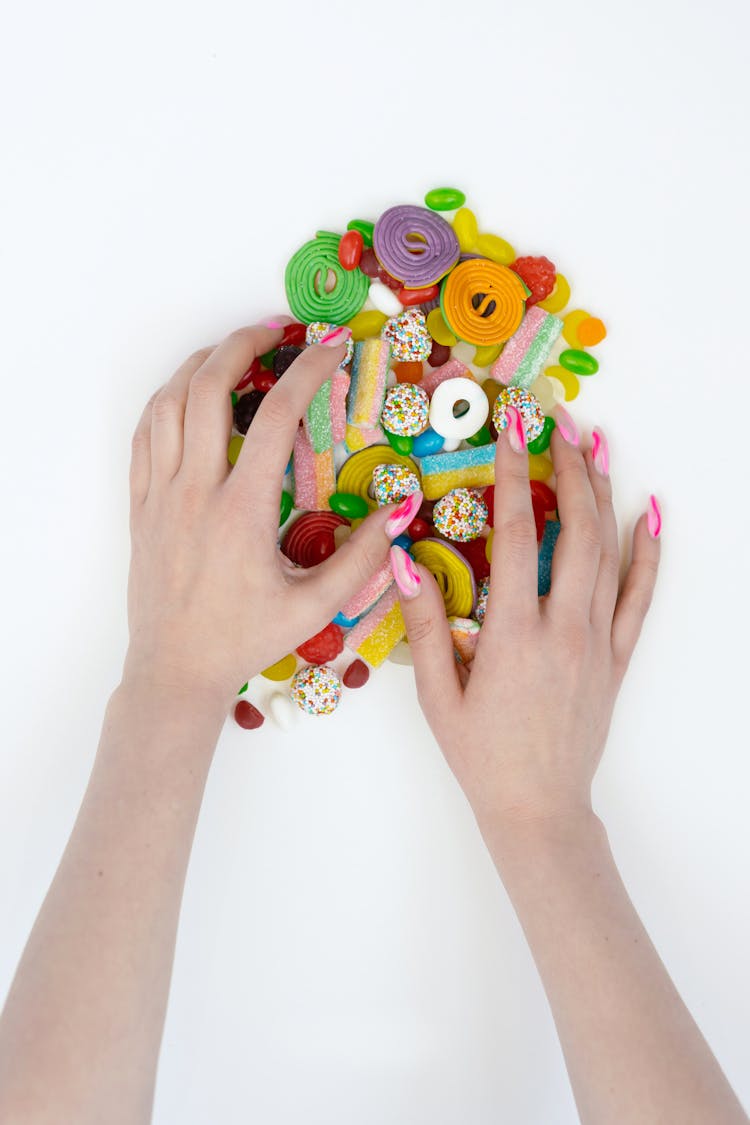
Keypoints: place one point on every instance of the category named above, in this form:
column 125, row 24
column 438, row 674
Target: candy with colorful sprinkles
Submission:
column 316, row 690
column 448, row 326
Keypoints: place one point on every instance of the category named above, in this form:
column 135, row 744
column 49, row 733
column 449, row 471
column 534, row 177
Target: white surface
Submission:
column 346, row 952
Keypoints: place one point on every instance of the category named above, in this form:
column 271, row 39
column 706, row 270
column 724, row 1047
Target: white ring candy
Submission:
column 442, row 418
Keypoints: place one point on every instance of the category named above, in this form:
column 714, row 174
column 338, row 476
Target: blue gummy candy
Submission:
column 345, row 622
column 546, row 549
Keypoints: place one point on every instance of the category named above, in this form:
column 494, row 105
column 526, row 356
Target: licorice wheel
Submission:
column 483, row 302
column 355, row 475
column 451, row 572
column 415, row 245
column 307, row 276
column 310, row 540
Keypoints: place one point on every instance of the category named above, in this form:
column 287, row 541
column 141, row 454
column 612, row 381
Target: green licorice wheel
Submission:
column 306, row 276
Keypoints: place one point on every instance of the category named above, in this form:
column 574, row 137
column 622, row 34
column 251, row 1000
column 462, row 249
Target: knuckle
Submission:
column 609, row 565
column 203, row 388
column 165, row 406
column 199, row 356
column 275, row 410
column 519, row 534
column 140, row 441
column 588, row 532
column 244, row 337
column 420, row 630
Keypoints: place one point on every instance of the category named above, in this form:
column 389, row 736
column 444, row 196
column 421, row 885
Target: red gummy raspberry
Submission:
column 538, row 275
column 324, row 646
column 475, row 553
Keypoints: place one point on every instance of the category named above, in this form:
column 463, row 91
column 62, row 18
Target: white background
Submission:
column 346, row 953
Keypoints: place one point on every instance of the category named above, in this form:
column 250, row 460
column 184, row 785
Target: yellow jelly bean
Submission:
column 467, row 232
column 496, row 248
column 367, row 324
column 570, row 382
column 591, row 332
column 540, row 467
column 283, row 669
column 439, row 330
column 235, row 445
column 488, row 545
column 558, row 298
column 571, row 323
column 486, row 356
column 354, row 524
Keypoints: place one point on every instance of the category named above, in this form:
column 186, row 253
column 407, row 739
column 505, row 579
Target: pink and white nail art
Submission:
column 405, row 573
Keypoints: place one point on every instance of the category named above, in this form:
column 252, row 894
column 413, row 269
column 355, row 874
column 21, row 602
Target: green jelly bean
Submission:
column 444, row 199
column 287, row 503
column 244, row 688
column 539, row 444
column 580, row 363
column 402, row 443
column 481, row 437
column 349, row 505
column 364, row 227
column 235, row 399
column 267, row 359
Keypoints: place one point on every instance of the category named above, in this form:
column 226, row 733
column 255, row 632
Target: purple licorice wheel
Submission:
column 415, row 245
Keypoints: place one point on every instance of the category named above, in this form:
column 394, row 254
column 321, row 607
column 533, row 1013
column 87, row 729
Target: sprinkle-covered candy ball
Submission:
column 408, row 336
column 406, row 410
column 482, row 595
column 393, row 483
column 318, row 329
column 460, row 515
column 316, row 690
column 528, row 407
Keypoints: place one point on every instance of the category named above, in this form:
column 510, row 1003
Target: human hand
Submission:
column 524, row 727
column 211, row 599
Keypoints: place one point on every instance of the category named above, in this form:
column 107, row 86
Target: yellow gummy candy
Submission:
column 486, row 356
column 366, row 324
column 235, row 445
column 439, row 330
column 488, row 545
column 283, row 669
column 571, row 323
column 558, row 298
column 540, row 467
column 570, row 382
column 496, row 248
column 467, row 232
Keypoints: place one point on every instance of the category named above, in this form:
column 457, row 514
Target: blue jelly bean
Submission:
column 403, row 541
column 345, row 622
column 546, row 549
column 427, row 442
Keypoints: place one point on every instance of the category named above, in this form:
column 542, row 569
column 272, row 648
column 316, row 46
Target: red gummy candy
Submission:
column 247, row 716
column 538, row 275
column 264, row 380
column 544, row 495
column 350, row 249
column 324, row 646
column 418, row 529
column 368, row 263
column 489, row 499
column 539, row 518
column 356, row 675
column 294, row 334
column 475, row 553
column 389, row 280
column 249, row 375
column 439, row 355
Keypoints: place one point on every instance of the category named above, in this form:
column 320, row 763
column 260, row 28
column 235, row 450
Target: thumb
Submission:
column 423, row 609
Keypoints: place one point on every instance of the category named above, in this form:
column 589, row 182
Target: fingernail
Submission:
column 402, row 516
column 600, row 452
column 335, row 337
column 566, row 426
column 274, row 322
column 405, row 573
column 516, row 431
column 653, row 519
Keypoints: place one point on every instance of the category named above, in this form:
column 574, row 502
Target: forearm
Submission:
column 80, row 1033
column 632, row 1050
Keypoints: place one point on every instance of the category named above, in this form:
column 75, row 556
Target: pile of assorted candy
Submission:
column 449, row 326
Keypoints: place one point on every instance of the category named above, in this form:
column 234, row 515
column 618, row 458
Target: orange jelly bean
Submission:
column 407, row 372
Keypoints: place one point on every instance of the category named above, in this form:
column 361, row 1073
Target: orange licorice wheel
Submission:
column 482, row 301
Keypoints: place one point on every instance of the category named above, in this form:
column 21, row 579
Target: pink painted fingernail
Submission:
column 402, row 516
column 600, row 452
column 275, row 322
column 335, row 337
column 516, row 431
column 405, row 573
column 653, row 519
column 566, row 426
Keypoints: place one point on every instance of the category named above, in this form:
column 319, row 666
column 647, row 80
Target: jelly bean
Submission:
column 357, row 522
column 247, row 378
column 364, row 227
column 591, row 332
column 345, row 622
column 444, row 199
column 350, row 249
column 496, row 248
column 368, row 263
column 283, row 711
column 283, row 669
column 439, row 355
column 402, row 443
column 421, row 296
column 348, row 505
column 264, row 381
column 571, row 324
column 409, row 372
column 540, row 443
column 418, row 529
column 544, row 495
column 244, row 687
column 568, row 381
column 439, row 330
column 539, row 519
column 247, row 716
column 356, row 675
column 384, row 299
column 284, row 358
column 558, row 298
column 235, row 445
column 294, row 334
column 540, row 467
column 580, row 363
column 486, row 356
column 481, row 437
column 266, row 360
column 235, row 398
column 465, row 226
column 366, row 324
column 389, row 280
column 245, row 410
column 427, row 442
column 285, row 509
column 402, row 541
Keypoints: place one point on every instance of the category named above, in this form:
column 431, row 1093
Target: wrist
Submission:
column 534, row 842
column 159, row 684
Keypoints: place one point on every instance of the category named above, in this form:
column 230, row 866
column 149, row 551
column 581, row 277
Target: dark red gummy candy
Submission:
column 284, row 358
column 245, row 410
column 247, row 716
column 538, row 275
column 356, row 675
column 475, row 553
column 324, row 646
